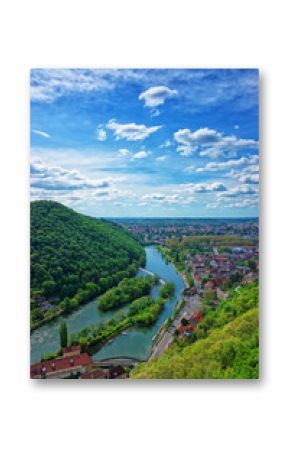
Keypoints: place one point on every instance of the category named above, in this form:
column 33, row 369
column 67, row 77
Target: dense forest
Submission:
column 225, row 344
column 75, row 257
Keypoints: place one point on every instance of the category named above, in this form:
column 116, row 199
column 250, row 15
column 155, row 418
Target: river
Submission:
column 137, row 343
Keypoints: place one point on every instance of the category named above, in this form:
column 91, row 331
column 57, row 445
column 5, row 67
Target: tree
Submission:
column 252, row 264
column 49, row 288
column 83, row 344
column 63, row 334
column 184, row 322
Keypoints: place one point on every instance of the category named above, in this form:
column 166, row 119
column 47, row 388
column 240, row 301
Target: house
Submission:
column 184, row 331
column 97, row 373
column 209, row 285
column 71, row 350
column 45, row 306
column 249, row 278
column 197, row 280
column 196, row 317
column 117, row 372
column 61, row 367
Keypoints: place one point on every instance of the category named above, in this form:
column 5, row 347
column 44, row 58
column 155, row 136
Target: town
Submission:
column 213, row 258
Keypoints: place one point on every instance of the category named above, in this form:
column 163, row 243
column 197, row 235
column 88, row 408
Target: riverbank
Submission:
column 91, row 296
column 170, row 259
column 137, row 343
column 164, row 337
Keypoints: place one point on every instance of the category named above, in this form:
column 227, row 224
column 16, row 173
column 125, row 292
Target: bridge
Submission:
column 116, row 361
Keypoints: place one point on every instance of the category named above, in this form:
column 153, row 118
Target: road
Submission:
column 192, row 304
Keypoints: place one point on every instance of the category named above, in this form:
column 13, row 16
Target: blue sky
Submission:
column 146, row 143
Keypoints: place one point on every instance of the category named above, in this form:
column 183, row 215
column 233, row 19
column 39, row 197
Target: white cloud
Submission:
column 166, row 198
column 131, row 131
column 190, row 169
column 141, row 154
column 155, row 96
column 240, row 190
column 244, row 203
column 246, row 175
column 211, row 142
column 198, row 87
column 101, row 134
column 57, row 178
column 166, row 144
column 123, row 152
column 205, row 187
column 250, row 179
column 41, row 133
column 155, row 113
column 161, row 158
column 48, row 84
column 217, row 166
column 223, row 203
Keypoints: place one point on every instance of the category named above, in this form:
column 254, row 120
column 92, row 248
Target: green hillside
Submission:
column 75, row 257
column 224, row 346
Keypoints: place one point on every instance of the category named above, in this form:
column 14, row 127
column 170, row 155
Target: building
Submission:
column 184, row 331
column 97, row 373
column 71, row 363
column 117, row 372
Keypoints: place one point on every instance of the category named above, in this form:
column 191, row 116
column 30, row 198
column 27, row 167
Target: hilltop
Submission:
column 75, row 257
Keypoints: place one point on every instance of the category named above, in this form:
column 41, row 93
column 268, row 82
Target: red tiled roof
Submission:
column 95, row 374
column 197, row 316
column 209, row 284
column 71, row 349
column 182, row 329
column 60, row 364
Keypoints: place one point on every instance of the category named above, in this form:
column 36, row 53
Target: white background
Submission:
column 220, row 33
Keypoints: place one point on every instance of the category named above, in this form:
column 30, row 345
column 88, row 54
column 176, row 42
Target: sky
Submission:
column 145, row 142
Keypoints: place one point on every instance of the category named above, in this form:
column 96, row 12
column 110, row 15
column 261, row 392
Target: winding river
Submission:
column 136, row 343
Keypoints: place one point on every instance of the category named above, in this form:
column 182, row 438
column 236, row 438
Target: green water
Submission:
column 137, row 343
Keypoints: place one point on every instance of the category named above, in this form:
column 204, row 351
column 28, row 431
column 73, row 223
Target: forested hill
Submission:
column 224, row 346
column 72, row 254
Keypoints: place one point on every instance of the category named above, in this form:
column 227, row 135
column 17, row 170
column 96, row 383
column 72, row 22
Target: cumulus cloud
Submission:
column 211, row 142
column 131, row 131
column 240, row 190
column 218, row 166
column 246, row 175
column 141, row 154
column 206, row 187
column 41, row 133
column 101, row 134
column 250, row 179
column 57, row 178
column 123, row 152
column 198, row 87
column 155, row 96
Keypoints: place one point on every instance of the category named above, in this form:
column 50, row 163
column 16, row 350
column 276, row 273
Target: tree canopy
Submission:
column 75, row 257
column 224, row 346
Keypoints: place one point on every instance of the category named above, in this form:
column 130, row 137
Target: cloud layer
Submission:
column 211, row 142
